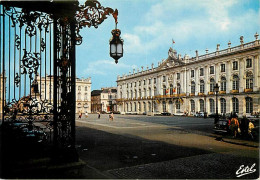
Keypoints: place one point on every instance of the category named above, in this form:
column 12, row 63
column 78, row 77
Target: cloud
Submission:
column 186, row 20
column 104, row 68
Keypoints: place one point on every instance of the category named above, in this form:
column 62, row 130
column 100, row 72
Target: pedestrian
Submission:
column 250, row 127
column 98, row 115
column 112, row 116
column 234, row 126
column 86, row 114
column 79, row 115
column 244, row 126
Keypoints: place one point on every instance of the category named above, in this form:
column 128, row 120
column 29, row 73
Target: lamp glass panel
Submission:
column 113, row 48
column 120, row 48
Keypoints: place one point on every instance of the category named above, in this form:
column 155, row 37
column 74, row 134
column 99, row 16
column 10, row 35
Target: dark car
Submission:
column 214, row 115
column 221, row 126
column 165, row 113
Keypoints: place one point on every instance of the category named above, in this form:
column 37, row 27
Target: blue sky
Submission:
column 148, row 27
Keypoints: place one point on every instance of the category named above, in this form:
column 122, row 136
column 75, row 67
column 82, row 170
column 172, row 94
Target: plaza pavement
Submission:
column 192, row 153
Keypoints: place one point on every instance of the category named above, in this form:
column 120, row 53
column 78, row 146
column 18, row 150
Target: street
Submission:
column 138, row 147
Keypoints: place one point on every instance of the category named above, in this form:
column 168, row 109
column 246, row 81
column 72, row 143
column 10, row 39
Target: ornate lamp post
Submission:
column 216, row 90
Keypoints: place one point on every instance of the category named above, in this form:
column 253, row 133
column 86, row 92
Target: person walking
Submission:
column 86, row 114
column 250, row 127
column 98, row 115
column 234, row 126
column 244, row 126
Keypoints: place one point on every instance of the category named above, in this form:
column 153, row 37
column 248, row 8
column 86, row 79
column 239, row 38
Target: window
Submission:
column 223, row 68
column 164, row 106
column 201, row 72
column 164, row 90
column 144, row 107
column 140, row 93
column 235, row 104
column 126, row 85
column 235, row 82
column 222, row 105
column 192, row 105
column 144, row 82
column 248, row 63
column 139, row 107
column 235, row 65
column 223, row 84
column 131, row 85
column 155, row 91
column 249, row 105
column 202, row 86
column 149, row 107
column 135, row 93
column 211, row 69
column 201, row 105
column 86, row 88
column 86, row 96
column 131, row 107
column 150, row 81
column 139, row 83
column 154, row 80
column 249, row 80
column 178, row 88
column 164, row 79
column 79, row 96
column 178, row 76
column 135, row 84
column 211, row 105
column 127, row 94
column 178, row 105
column 192, row 87
column 79, row 88
column 135, row 106
column 212, row 84
column 150, row 91
column 144, row 92
column 192, row 73
column 171, row 89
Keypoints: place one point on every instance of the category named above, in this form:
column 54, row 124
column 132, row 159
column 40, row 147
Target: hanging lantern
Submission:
column 116, row 45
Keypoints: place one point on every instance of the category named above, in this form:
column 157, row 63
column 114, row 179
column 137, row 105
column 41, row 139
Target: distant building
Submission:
column 104, row 100
column 184, row 84
column 96, row 105
column 83, row 92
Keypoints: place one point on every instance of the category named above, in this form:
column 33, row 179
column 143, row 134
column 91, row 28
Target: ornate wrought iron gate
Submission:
column 37, row 66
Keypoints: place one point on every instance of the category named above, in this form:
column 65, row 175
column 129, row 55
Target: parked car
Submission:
column 165, row 113
column 199, row 114
column 221, row 126
column 214, row 115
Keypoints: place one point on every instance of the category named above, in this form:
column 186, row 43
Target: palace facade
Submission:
column 184, row 84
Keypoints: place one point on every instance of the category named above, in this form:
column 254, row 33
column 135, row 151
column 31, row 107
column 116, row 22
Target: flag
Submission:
column 167, row 90
column 173, row 90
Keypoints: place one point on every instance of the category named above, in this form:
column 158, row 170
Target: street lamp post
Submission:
column 216, row 90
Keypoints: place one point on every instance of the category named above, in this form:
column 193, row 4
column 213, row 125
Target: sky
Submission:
column 148, row 27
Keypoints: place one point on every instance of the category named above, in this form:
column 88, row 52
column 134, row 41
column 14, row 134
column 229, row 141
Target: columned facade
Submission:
column 184, row 84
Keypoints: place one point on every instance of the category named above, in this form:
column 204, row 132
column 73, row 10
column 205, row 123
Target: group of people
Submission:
column 243, row 128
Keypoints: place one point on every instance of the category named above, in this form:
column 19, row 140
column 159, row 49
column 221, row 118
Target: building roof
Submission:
column 112, row 90
column 96, row 92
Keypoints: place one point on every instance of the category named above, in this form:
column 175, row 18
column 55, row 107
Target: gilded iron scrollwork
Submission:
column 30, row 61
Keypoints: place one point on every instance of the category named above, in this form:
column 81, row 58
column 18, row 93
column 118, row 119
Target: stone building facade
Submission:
column 184, row 84
column 83, row 92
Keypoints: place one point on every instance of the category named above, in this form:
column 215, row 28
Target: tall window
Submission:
column 178, row 76
column 202, row 86
column 135, row 84
column 139, row 83
column 249, row 81
column 139, row 107
column 144, row 92
column 178, row 106
column 86, row 88
column 249, row 105
column 154, row 80
column 222, row 105
column 86, row 96
column 135, row 93
column 131, row 107
column 79, row 88
column 149, row 107
column 150, row 91
column 192, row 87
column 192, row 73
column 135, row 106
column 248, row 63
column 144, row 82
column 212, row 84
column 211, row 69
column 201, row 105
column 144, row 107
column 223, row 84
column 235, row 65
column 150, row 81
column 212, row 105
column 79, row 96
column 192, row 105
column 164, row 90
column 140, row 93
column 164, row 78
column 235, row 82
column 223, row 68
column 178, row 88
column 155, row 91
column 127, row 94
column 235, row 104
column 201, row 72
column 171, row 89
column 131, row 94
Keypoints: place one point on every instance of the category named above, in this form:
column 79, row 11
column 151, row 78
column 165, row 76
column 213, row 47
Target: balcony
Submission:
column 192, row 94
column 234, row 91
column 222, row 92
column 201, row 94
column 210, row 93
column 182, row 94
column 248, row 90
